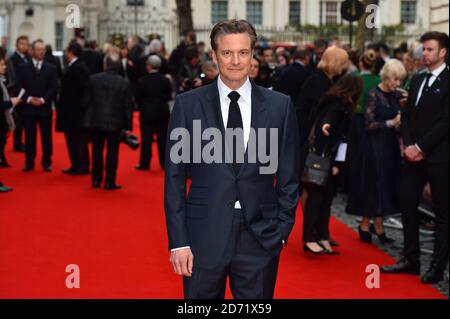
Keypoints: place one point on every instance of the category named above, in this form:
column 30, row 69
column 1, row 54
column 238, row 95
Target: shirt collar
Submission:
column 245, row 91
column 439, row 70
column 73, row 61
column 21, row 55
column 36, row 62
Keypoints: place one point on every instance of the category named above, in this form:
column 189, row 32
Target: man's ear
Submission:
column 214, row 57
column 443, row 53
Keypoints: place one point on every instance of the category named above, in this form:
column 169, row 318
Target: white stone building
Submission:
column 100, row 18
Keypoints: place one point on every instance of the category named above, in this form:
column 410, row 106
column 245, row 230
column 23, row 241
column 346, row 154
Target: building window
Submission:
column 330, row 12
column 408, row 12
column 294, row 12
column 59, row 36
column 255, row 12
column 219, row 11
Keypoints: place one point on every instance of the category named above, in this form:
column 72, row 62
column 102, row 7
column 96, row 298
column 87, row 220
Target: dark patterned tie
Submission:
column 235, row 121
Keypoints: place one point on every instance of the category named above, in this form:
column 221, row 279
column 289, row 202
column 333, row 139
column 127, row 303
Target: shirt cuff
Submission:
column 42, row 100
column 29, row 100
column 419, row 149
column 179, row 248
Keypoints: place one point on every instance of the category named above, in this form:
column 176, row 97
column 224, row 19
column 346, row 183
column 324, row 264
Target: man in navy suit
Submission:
column 236, row 218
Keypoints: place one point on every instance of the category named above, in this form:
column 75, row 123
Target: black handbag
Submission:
column 317, row 167
column 130, row 140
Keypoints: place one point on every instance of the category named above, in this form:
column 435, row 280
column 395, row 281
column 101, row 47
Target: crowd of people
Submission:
column 387, row 112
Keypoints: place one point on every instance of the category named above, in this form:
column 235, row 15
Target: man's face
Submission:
column 38, row 51
column 234, row 57
column 22, row 46
column 268, row 55
column 432, row 54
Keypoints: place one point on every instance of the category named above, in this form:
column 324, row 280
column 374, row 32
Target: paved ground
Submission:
column 395, row 249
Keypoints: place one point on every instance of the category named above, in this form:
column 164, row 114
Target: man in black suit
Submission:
column 153, row 94
column 70, row 111
column 19, row 57
column 92, row 58
column 39, row 80
column 425, row 124
column 293, row 77
column 109, row 108
column 234, row 219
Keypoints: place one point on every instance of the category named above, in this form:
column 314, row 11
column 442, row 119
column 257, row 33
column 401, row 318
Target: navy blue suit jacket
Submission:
column 203, row 218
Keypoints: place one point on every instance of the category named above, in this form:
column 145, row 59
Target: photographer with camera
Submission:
column 188, row 77
column 109, row 106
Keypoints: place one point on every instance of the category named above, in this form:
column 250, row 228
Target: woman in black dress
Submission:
column 331, row 126
column 381, row 154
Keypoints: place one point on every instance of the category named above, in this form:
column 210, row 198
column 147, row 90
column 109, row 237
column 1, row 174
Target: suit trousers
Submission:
column 251, row 270
column 317, row 211
column 414, row 177
column 77, row 144
column 148, row 129
column 99, row 139
column 43, row 118
column 19, row 129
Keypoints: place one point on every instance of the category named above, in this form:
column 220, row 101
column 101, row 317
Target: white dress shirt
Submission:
column 245, row 106
column 38, row 65
column 72, row 62
column 433, row 78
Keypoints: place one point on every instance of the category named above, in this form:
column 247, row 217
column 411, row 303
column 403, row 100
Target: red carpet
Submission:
column 118, row 239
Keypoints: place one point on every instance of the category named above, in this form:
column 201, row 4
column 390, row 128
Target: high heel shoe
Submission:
column 328, row 251
column 381, row 237
column 307, row 249
column 365, row 236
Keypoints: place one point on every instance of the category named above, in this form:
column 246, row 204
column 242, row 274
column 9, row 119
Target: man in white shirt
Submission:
column 235, row 218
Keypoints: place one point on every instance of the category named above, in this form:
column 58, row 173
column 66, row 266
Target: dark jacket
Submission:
column 337, row 113
column 203, row 219
column 70, row 106
column 42, row 83
column 292, row 79
column 108, row 103
column 93, row 60
column 427, row 123
column 307, row 102
column 153, row 93
column 16, row 61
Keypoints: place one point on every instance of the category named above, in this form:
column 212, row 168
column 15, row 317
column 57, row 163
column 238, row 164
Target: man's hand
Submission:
column 412, row 154
column 182, row 261
column 35, row 101
column 335, row 171
column 197, row 82
column 15, row 101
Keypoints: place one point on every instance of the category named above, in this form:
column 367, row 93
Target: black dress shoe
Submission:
column 4, row 189
column 28, row 169
column 402, row 266
column 381, row 237
column 19, row 148
column 112, row 187
column 4, row 162
column 68, row 171
column 47, row 168
column 96, row 184
column 142, row 168
column 364, row 236
column 82, row 172
column 432, row 276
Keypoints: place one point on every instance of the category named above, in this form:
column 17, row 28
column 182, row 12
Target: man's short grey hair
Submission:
column 112, row 62
column 154, row 61
column 155, row 46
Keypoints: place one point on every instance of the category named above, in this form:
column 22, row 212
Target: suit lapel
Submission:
column 441, row 77
column 213, row 114
column 258, row 118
